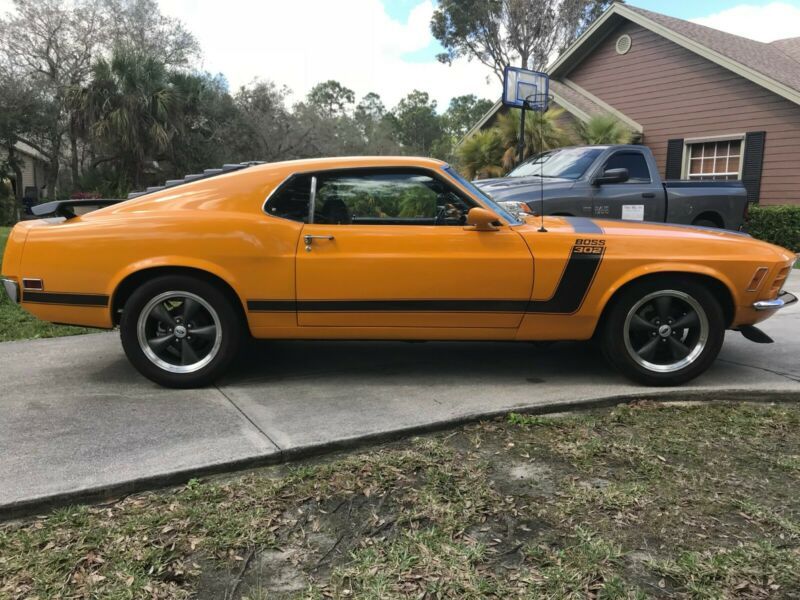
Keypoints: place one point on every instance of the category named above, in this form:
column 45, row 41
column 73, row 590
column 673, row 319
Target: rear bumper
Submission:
column 784, row 299
column 12, row 289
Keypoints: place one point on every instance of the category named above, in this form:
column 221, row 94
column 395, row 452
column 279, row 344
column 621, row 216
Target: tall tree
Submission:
column 265, row 129
column 463, row 112
column 139, row 25
column 417, row 124
column 134, row 114
column 331, row 99
column 22, row 112
column 53, row 42
column 499, row 33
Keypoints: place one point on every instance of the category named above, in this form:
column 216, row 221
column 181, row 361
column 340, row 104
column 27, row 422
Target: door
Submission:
column 389, row 248
column 638, row 199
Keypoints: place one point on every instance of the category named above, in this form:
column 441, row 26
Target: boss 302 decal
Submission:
column 577, row 278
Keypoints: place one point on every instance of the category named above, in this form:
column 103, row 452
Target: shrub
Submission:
column 776, row 224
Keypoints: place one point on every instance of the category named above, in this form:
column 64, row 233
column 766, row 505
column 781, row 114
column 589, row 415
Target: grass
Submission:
column 649, row 500
column 16, row 324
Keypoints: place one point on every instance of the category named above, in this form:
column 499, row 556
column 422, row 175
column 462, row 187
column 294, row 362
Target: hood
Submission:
column 515, row 188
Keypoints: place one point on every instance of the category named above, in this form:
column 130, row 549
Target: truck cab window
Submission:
column 291, row 200
column 635, row 162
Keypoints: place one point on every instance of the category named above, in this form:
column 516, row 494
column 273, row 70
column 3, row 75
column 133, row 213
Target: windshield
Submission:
column 569, row 163
column 482, row 196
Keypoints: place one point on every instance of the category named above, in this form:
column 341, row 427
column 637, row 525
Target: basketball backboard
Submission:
column 525, row 87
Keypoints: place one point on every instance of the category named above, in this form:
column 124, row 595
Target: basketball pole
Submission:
column 521, row 141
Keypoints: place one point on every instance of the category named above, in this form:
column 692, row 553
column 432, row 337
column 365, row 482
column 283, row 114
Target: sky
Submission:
column 385, row 46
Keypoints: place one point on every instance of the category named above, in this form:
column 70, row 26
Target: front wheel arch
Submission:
column 720, row 291
column 130, row 283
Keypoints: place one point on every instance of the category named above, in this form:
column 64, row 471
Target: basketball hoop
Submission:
column 526, row 89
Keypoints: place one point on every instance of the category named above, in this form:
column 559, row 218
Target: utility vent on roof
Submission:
column 624, row 44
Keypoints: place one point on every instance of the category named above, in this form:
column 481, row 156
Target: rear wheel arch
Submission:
column 709, row 218
column 132, row 281
column 718, row 288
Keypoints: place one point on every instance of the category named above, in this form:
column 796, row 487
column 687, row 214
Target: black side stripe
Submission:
column 65, row 298
column 574, row 285
column 575, row 282
column 512, row 306
column 271, row 305
column 584, row 225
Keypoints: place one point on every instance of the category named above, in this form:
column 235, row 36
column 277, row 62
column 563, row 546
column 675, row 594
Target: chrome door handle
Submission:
column 308, row 239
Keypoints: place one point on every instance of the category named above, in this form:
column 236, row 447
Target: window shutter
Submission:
column 674, row 159
column 754, row 143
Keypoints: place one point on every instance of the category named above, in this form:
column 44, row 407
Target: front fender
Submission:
column 678, row 268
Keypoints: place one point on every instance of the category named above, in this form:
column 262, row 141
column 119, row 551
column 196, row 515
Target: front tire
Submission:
column 180, row 332
column 663, row 332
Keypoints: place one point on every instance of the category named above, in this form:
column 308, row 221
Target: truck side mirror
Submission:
column 612, row 176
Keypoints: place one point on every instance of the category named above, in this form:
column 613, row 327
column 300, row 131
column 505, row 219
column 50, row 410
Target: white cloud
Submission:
column 302, row 42
column 766, row 23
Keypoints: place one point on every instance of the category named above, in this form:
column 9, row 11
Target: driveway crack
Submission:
column 247, row 417
column 788, row 376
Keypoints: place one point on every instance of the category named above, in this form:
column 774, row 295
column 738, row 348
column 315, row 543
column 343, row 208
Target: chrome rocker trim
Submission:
column 12, row 289
column 784, row 299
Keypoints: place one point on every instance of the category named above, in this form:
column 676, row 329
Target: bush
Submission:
column 776, row 224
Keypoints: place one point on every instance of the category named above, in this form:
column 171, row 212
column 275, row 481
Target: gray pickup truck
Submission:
column 616, row 182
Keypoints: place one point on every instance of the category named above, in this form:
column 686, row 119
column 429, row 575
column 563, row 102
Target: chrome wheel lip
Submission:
column 687, row 360
column 141, row 329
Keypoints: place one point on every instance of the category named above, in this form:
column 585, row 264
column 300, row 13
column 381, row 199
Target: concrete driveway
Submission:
column 78, row 422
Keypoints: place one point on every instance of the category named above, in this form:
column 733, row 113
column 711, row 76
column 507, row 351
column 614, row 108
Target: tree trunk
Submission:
column 73, row 146
column 18, row 190
column 52, row 178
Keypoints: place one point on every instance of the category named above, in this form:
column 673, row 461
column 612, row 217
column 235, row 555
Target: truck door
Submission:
column 641, row 198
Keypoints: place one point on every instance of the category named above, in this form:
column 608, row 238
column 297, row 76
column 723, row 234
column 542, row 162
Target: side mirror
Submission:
column 481, row 219
column 612, row 176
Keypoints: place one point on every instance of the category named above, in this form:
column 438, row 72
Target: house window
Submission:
column 718, row 159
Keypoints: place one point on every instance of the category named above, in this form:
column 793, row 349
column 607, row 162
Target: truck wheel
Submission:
column 663, row 333
column 180, row 331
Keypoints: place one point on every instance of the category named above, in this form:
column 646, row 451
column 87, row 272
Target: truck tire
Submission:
column 706, row 223
column 180, row 331
column 663, row 332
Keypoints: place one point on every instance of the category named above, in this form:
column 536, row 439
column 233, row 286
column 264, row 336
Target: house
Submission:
column 32, row 165
column 710, row 105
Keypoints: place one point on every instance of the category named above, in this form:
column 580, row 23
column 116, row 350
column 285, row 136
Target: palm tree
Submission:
column 603, row 129
column 542, row 132
column 133, row 112
column 481, row 155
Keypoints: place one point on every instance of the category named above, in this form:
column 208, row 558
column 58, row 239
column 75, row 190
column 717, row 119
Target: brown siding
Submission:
column 674, row 93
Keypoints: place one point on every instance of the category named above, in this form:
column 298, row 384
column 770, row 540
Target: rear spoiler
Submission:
column 63, row 208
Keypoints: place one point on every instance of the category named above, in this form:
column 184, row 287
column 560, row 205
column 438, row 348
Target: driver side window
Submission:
column 386, row 198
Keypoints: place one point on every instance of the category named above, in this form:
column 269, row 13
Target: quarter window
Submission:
column 718, row 160
column 291, row 201
column 634, row 162
column 387, row 198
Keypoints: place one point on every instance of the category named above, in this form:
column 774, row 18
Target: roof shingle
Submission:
column 778, row 61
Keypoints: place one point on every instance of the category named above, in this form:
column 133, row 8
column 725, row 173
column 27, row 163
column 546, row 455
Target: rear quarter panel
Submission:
column 233, row 239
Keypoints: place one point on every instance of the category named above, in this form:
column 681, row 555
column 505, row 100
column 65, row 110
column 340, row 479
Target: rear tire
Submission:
column 663, row 332
column 180, row 332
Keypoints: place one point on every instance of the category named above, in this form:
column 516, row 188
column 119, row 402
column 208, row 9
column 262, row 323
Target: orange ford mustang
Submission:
column 382, row 248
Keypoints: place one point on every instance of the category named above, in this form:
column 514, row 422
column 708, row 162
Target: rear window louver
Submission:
column 170, row 183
